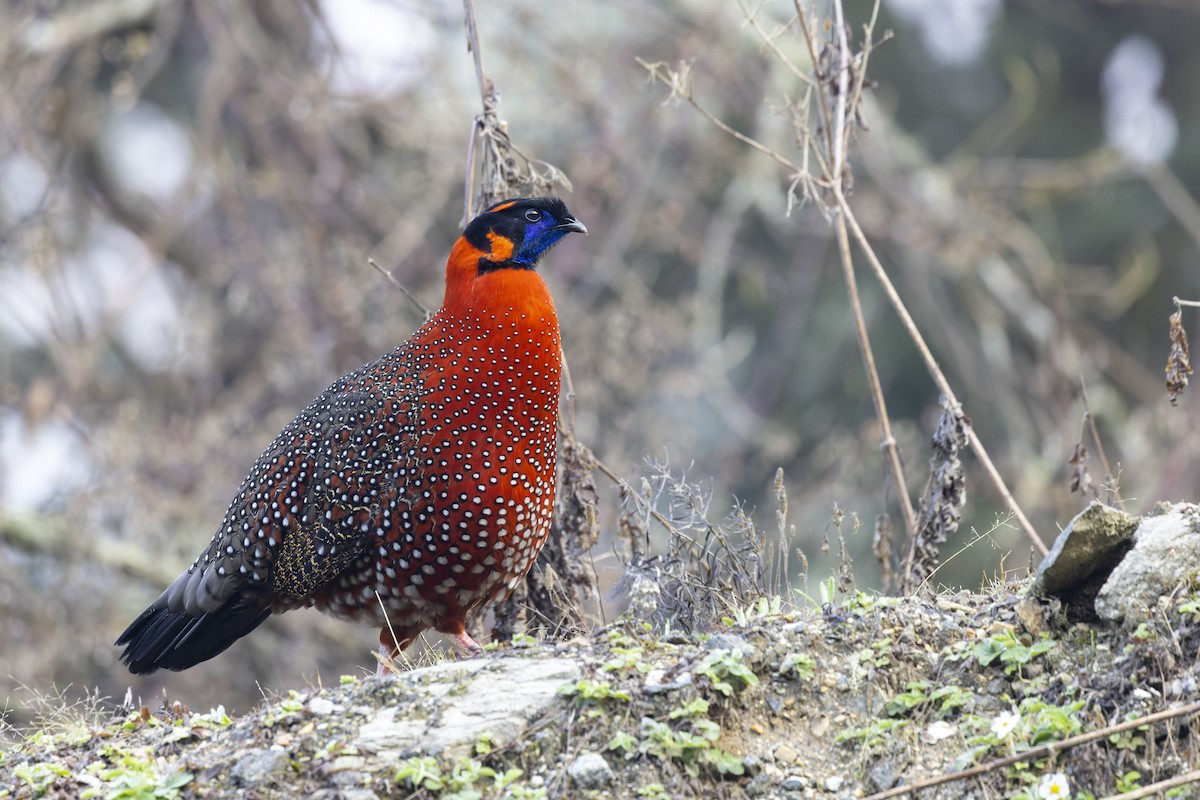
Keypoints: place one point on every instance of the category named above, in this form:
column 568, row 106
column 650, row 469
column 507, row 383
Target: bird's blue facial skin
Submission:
column 540, row 236
column 517, row 233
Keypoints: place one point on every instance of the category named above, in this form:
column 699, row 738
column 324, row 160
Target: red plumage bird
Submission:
column 424, row 479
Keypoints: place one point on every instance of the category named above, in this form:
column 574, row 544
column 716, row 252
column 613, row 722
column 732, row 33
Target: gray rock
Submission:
column 833, row 783
column 1085, row 553
column 259, row 766
column 657, row 681
column 349, row 778
column 357, row 794
column 321, row 706
column 467, row 699
column 881, row 776
column 727, row 641
column 590, row 771
column 1165, row 556
column 785, row 754
column 760, row 785
column 344, row 764
column 347, row 793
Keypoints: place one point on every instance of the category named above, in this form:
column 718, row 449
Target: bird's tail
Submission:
column 175, row 640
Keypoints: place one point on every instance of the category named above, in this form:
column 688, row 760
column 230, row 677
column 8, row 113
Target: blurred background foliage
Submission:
column 190, row 191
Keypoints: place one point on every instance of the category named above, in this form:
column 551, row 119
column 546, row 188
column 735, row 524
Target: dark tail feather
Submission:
column 164, row 639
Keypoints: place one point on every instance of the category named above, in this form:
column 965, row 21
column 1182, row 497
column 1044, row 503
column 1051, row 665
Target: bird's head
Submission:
column 515, row 233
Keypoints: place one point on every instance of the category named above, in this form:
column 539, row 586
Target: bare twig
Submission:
column 388, row 664
column 890, row 448
column 680, row 85
column 679, row 82
column 842, row 76
column 1110, row 478
column 487, row 97
column 1045, row 751
column 504, row 169
column 936, row 373
column 469, row 183
column 931, row 364
column 1156, row 789
column 822, row 97
column 976, row 539
column 403, row 290
column 837, row 143
column 624, row 486
column 769, row 40
column 473, row 46
column 927, row 355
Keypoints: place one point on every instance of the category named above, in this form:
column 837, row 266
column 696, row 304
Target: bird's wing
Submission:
column 311, row 503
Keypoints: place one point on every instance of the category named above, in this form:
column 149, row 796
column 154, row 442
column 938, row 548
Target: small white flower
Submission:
column 1055, row 786
column 1005, row 723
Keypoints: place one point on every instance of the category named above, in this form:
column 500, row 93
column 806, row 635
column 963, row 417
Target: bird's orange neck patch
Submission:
column 470, row 284
column 502, row 247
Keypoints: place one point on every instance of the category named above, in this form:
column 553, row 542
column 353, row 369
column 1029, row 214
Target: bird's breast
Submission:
column 474, row 487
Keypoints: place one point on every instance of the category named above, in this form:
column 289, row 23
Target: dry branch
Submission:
column 1035, row 753
column 832, row 163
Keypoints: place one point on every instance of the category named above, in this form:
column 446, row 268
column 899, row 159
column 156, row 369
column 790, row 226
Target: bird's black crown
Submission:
column 516, row 233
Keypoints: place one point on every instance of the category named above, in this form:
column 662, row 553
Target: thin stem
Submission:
column 404, row 291
column 1044, row 751
column 473, row 45
column 833, row 179
column 811, row 41
column 485, row 101
column 842, row 73
column 1157, row 789
column 469, row 183
column 566, row 418
column 835, row 142
column 838, row 143
column 656, row 71
column 896, row 467
column 623, row 484
column 769, row 41
column 1109, row 477
column 935, row 370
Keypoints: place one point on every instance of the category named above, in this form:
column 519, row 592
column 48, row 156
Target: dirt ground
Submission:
column 847, row 701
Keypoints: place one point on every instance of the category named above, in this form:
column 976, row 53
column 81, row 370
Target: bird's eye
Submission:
column 533, row 215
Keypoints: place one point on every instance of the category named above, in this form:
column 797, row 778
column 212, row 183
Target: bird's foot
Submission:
column 391, row 643
column 387, row 653
column 465, row 643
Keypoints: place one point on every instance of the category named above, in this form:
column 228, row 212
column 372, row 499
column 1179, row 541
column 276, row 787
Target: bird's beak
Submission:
column 572, row 225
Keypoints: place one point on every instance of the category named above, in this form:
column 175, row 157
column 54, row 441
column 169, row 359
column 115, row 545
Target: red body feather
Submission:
column 421, row 484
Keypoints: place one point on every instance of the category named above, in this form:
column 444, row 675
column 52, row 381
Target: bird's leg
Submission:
column 464, row 641
column 391, row 642
column 386, row 654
